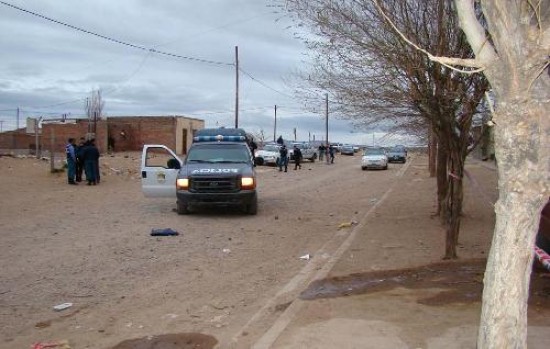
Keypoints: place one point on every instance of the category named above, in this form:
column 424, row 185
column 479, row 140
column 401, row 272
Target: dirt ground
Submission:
column 227, row 277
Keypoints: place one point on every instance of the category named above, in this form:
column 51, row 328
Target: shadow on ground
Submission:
column 460, row 282
column 170, row 341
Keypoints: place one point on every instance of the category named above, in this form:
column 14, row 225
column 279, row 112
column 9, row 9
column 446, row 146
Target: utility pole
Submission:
column 14, row 134
column 37, row 143
column 326, row 117
column 236, row 86
column 275, row 125
column 52, row 150
column 1, row 124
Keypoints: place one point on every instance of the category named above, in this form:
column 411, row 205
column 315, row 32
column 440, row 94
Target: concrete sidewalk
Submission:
column 399, row 233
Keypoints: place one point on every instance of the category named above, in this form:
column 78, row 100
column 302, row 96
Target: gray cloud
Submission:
column 48, row 69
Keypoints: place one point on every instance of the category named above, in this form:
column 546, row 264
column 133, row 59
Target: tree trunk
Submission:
column 454, row 203
column 442, row 180
column 432, row 153
column 523, row 169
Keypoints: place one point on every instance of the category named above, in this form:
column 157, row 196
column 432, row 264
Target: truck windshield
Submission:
column 217, row 153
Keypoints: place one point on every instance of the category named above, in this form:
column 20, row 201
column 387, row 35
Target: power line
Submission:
column 128, row 44
column 264, row 84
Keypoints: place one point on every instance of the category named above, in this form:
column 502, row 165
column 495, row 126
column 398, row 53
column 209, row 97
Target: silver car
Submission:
column 347, row 149
column 374, row 158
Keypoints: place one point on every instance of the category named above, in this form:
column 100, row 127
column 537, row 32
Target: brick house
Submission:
column 111, row 133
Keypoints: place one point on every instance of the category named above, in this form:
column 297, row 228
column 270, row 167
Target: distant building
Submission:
column 127, row 133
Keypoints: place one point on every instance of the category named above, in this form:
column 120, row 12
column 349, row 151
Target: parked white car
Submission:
column 267, row 155
column 308, row 152
column 374, row 158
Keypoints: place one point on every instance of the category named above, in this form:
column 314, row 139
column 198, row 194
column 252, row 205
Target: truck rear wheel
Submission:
column 182, row 208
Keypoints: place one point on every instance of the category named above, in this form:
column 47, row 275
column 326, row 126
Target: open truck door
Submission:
column 159, row 171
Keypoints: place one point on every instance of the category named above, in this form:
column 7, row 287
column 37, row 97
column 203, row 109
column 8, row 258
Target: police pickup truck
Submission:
column 218, row 171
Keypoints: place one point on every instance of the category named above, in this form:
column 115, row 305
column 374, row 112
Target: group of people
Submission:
column 82, row 158
column 328, row 151
column 284, row 158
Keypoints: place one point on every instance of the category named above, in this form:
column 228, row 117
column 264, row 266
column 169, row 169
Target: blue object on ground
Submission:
column 164, row 232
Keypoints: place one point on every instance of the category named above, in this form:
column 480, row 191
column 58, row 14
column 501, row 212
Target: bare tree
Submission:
column 260, row 136
column 515, row 59
column 377, row 77
column 94, row 109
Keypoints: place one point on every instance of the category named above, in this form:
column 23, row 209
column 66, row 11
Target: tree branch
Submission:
column 449, row 62
column 483, row 49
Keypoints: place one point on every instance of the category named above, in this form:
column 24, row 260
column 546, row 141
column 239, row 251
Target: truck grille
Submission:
column 214, row 185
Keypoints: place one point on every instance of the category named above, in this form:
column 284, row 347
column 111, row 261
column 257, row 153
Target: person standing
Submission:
column 322, row 151
column 331, row 153
column 91, row 161
column 283, row 158
column 297, row 158
column 253, row 147
column 71, row 160
column 79, row 159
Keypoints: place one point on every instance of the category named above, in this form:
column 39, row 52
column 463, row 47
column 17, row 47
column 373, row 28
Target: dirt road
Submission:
column 225, row 279
column 90, row 246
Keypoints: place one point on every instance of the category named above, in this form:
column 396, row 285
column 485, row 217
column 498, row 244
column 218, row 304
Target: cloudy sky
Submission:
column 48, row 67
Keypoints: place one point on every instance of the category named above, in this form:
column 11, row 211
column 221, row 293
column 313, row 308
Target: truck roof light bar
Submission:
column 219, row 138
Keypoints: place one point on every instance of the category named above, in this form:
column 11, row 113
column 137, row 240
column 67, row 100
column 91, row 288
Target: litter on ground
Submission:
column 164, row 232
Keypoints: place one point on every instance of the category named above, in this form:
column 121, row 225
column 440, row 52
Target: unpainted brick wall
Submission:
column 131, row 133
column 61, row 132
column 18, row 140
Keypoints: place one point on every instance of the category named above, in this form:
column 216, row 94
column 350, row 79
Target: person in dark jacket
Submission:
column 322, row 150
column 282, row 161
column 71, row 160
column 331, row 151
column 79, row 159
column 297, row 158
column 90, row 154
column 253, row 147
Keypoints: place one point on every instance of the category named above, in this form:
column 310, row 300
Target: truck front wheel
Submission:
column 182, row 208
column 252, row 207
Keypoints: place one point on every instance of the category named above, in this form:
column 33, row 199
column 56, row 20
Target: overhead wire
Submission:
column 264, row 84
column 117, row 41
column 150, row 50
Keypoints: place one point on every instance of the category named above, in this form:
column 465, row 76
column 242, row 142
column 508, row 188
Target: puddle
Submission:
column 170, row 341
column 461, row 281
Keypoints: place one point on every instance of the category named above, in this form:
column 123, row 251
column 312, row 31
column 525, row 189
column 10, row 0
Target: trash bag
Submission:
column 164, row 232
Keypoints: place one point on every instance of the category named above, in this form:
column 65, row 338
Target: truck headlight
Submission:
column 182, row 183
column 248, row 183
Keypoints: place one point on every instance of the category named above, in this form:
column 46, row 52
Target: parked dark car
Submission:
column 397, row 153
column 347, row 149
